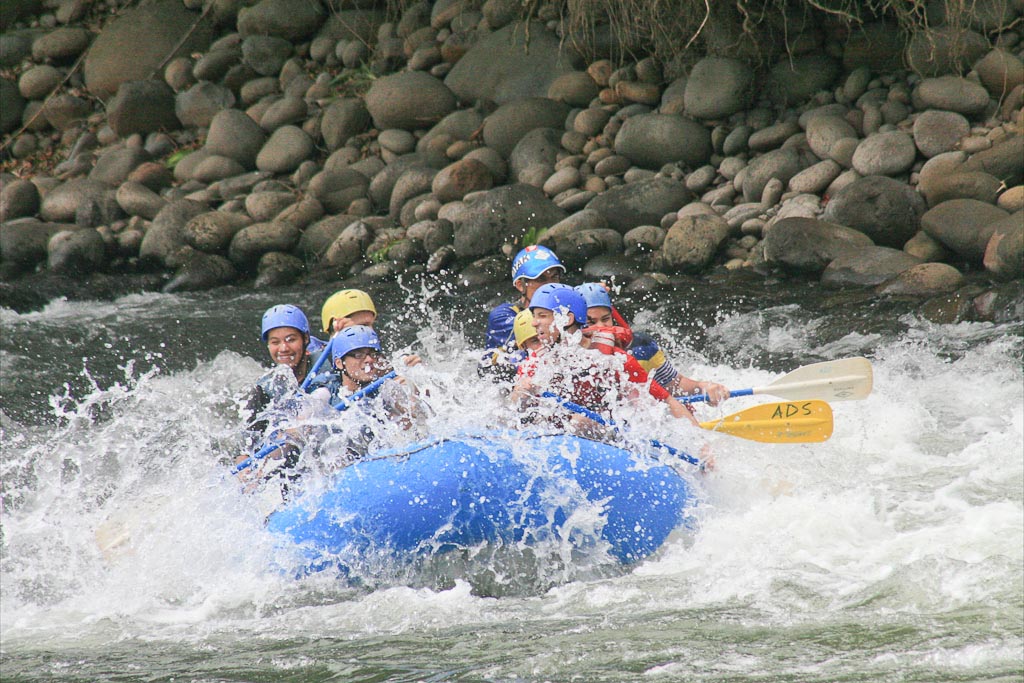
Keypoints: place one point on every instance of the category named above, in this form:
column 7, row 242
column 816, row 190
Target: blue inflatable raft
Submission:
column 509, row 489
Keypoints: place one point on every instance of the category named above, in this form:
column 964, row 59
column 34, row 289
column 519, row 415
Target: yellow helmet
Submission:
column 344, row 303
column 523, row 327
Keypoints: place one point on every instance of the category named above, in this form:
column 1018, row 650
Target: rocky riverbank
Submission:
column 189, row 145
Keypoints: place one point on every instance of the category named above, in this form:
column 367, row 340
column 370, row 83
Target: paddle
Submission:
column 324, row 355
column 847, row 379
column 343, row 404
column 798, row 422
column 576, row 408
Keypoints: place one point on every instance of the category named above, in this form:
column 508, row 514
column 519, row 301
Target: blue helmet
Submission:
column 595, row 294
column 534, row 260
column 352, row 338
column 284, row 315
column 561, row 298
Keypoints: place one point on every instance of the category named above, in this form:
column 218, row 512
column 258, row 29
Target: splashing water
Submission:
column 892, row 552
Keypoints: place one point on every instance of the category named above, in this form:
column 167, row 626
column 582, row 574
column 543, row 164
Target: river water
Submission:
column 892, row 552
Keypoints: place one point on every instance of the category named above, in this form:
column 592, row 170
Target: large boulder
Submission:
column 924, row 280
column 1004, row 254
column 149, row 34
column 808, row 244
column 1000, row 72
column 502, row 215
column 1004, row 160
column 234, row 135
column 944, row 50
column 780, row 164
column 653, row 140
column 23, row 242
column 12, row 104
column 409, row 100
column 692, row 242
column 795, row 79
column 951, row 93
column 512, row 121
column 293, row 21
column 884, row 209
column 200, row 272
column 342, row 119
column 76, row 252
column 513, row 62
column 253, row 241
column 867, row 267
column 718, row 87
column 213, row 231
column 18, row 198
column 62, row 203
column 964, row 226
column 142, row 107
column 166, row 235
column 642, row 203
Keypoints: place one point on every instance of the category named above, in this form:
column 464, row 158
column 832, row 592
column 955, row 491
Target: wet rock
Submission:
column 1005, row 161
column 1002, row 304
column 653, row 140
column 557, row 237
column 234, row 135
column 809, row 245
column 214, row 168
column 574, row 88
column 282, row 18
column 718, row 87
column 412, row 183
column 165, row 236
column 927, row 248
column 278, row 270
column 149, row 33
column 642, row 203
column 336, row 190
column 200, row 272
column 343, row 119
column 782, row 164
column 511, row 122
column 142, row 107
column 253, row 241
column 198, row 105
column 963, row 225
column 815, row 179
column 501, row 215
column 884, row 209
column 349, row 247
column 408, row 100
column 457, row 180
column 692, row 242
column 60, row 204
column 76, row 252
column 432, row 234
column 213, row 231
column 263, row 206
column 114, row 165
column 1000, row 72
column 951, row 93
column 61, row 45
column 936, row 131
column 612, row 268
column 65, row 111
column 891, row 153
column 319, row 236
column 583, row 245
column 866, row 267
column 18, row 198
column 138, row 200
column 23, row 242
column 511, row 63
column 36, row 83
column 923, row 280
column 962, row 185
column 1004, row 253
column 643, row 239
column 287, row 147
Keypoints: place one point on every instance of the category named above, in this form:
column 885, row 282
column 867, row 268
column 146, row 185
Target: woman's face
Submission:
column 287, row 346
column 600, row 316
column 360, row 365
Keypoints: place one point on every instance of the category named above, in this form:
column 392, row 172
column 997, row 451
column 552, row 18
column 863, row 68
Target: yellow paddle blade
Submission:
column 790, row 422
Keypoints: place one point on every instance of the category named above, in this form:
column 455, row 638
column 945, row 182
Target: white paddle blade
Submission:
column 847, row 379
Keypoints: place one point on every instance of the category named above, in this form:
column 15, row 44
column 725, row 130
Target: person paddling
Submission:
column 532, row 268
column 349, row 307
column 643, row 347
column 573, row 367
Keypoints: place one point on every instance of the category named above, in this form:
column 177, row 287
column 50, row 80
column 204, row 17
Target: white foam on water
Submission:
column 914, row 508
